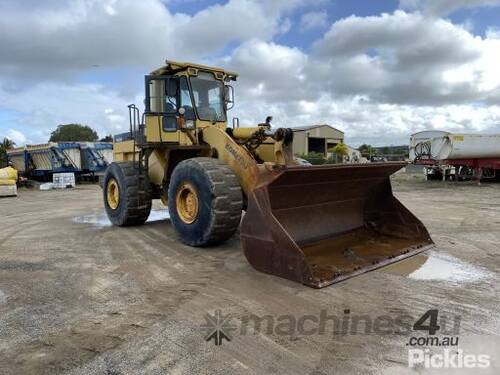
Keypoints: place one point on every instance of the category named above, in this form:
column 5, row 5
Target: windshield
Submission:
column 208, row 95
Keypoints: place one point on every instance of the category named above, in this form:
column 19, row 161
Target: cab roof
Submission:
column 173, row 66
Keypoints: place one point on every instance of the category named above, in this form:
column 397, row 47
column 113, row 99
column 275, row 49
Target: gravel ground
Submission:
column 79, row 296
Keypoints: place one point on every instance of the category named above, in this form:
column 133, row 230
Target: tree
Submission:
column 73, row 133
column 108, row 138
column 366, row 150
column 6, row 144
column 341, row 150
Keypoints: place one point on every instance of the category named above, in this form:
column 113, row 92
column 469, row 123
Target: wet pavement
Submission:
column 439, row 266
column 100, row 219
column 80, row 296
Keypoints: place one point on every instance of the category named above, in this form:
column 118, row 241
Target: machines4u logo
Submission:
column 218, row 327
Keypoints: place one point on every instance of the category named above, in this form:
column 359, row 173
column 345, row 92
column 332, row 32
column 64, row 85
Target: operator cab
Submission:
column 200, row 94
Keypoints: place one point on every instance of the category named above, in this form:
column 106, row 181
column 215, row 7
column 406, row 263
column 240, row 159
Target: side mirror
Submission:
column 229, row 96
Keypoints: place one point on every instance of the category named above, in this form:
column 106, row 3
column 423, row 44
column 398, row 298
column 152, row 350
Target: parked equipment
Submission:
column 313, row 224
column 420, row 144
column 95, row 157
column 42, row 161
column 466, row 146
column 8, row 182
column 456, row 156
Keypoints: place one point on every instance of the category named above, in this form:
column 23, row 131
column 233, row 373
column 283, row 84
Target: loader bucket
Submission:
column 319, row 225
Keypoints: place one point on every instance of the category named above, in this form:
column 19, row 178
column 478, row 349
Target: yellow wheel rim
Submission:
column 113, row 194
column 186, row 200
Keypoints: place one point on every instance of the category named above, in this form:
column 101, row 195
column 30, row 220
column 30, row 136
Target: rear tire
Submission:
column 127, row 194
column 204, row 201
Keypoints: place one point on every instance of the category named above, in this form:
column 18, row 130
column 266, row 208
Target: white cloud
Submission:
column 364, row 121
column 46, row 105
column 314, row 20
column 268, row 70
column 290, row 90
column 407, row 58
column 445, row 7
column 493, row 33
column 378, row 78
column 54, row 42
column 16, row 136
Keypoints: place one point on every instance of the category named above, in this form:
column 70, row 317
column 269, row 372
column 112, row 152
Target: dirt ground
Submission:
column 79, row 296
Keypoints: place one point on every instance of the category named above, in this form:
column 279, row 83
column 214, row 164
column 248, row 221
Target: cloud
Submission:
column 314, row 20
column 58, row 42
column 16, row 136
column 378, row 78
column 407, row 58
column 288, row 86
column 268, row 70
column 365, row 121
column 41, row 108
column 445, row 7
column 51, row 61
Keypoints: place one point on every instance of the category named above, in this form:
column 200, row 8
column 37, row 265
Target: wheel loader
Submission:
column 316, row 225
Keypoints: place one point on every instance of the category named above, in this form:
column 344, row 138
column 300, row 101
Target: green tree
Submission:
column 340, row 150
column 366, row 150
column 108, row 138
column 6, row 144
column 73, row 133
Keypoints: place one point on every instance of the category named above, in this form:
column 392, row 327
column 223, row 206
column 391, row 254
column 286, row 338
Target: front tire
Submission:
column 205, row 201
column 127, row 194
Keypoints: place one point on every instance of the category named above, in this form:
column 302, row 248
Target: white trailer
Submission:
column 465, row 146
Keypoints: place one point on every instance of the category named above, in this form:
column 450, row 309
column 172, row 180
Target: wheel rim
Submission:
column 186, row 200
column 113, row 194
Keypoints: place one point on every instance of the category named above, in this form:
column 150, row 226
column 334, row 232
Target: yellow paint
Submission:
column 8, row 174
column 245, row 133
column 186, row 200
column 266, row 150
column 177, row 64
column 124, row 151
column 113, row 194
column 157, row 165
column 8, row 182
column 236, row 157
column 458, row 138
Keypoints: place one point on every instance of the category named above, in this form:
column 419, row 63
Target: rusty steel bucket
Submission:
column 319, row 225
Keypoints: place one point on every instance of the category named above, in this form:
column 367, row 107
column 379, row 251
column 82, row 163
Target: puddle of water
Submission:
column 157, row 215
column 437, row 266
column 101, row 220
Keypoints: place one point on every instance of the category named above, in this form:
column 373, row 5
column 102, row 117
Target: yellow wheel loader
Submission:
column 313, row 224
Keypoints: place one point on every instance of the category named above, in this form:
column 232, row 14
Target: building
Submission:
column 315, row 138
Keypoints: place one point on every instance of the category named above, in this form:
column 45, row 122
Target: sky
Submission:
column 377, row 70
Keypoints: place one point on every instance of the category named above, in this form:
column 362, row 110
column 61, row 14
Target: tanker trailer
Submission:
column 474, row 156
column 420, row 144
column 421, row 154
